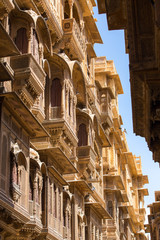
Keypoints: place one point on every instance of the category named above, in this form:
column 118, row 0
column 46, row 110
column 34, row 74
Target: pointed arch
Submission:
column 46, row 67
column 78, row 79
column 21, row 159
column 38, row 23
column 66, row 10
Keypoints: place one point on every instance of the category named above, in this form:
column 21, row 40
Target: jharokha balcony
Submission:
column 86, row 157
column 29, row 80
column 74, row 39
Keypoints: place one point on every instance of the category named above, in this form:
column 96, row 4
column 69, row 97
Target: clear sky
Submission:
column 113, row 48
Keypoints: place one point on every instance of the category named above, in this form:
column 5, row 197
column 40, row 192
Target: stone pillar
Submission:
column 30, row 36
column 40, row 55
column 71, row 8
column 66, row 100
column 74, row 112
column 66, row 217
column 40, row 195
column 93, row 233
column 69, row 218
column 74, row 232
column 57, row 203
column 61, row 197
column 34, row 193
column 62, row 99
column 83, row 231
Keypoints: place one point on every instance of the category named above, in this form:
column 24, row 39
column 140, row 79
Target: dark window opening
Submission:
column 82, row 135
column 21, row 40
column 56, row 90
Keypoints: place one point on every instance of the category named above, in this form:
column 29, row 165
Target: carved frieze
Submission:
column 8, row 218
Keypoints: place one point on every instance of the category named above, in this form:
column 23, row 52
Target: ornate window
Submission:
column 56, row 90
column 82, row 135
column 21, row 40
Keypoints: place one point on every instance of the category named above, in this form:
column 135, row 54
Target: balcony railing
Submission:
column 30, row 208
column 86, row 155
column 106, row 116
column 55, row 112
column 55, row 224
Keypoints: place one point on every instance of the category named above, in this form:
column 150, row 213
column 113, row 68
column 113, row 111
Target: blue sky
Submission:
column 113, row 48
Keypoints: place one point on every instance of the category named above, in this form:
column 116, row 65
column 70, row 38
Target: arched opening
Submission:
column 79, row 85
column 44, row 34
column 21, row 159
column 82, row 135
column 66, row 208
column 56, row 90
column 18, row 166
column 21, row 40
column 35, row 190
column 66, row 10
column 75, row 15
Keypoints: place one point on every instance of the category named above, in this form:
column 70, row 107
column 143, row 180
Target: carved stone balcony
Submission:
column 86, row 157
column 106, row 117
column 74, row 39
column 29, row 78
column 117, row 182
